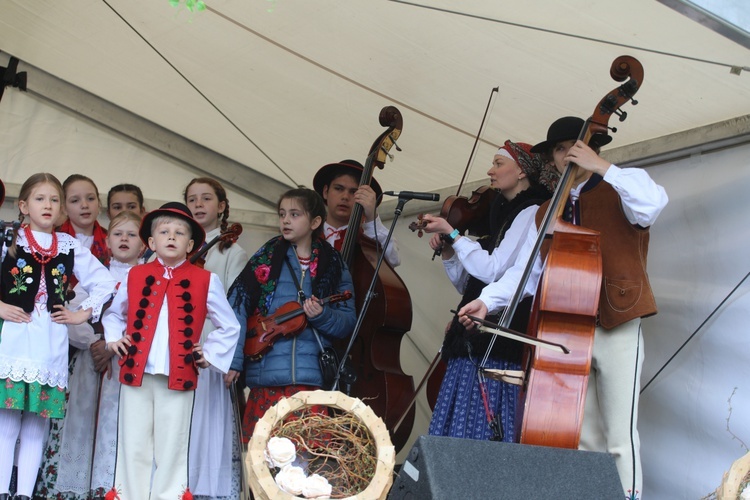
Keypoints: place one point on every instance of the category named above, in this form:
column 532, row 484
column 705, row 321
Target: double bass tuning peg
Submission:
column 622, row 114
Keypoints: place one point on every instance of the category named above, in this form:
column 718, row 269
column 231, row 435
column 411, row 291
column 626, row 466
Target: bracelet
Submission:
column 452, row 237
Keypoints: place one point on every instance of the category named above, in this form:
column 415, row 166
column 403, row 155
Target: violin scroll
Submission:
column 231, row 234
column 418, row 225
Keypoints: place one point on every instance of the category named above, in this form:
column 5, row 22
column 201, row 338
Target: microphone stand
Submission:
column 345, row 373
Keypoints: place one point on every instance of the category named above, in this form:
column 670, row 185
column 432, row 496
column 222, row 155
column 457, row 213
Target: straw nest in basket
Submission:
column 336, row 437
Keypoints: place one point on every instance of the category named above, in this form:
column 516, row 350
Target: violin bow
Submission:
column 476, row 140
column 495, row 329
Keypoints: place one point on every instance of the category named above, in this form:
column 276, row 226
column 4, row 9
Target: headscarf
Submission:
column 532, row 164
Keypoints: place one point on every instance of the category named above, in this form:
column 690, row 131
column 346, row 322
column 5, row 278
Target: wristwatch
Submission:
column 451, row 238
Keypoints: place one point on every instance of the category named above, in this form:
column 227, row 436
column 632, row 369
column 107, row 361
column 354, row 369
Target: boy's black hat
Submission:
column 325, row 175
column 568, row 128
column 174, row 209
column 2, row 192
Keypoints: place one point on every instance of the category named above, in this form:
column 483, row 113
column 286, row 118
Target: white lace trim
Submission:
column 32, row 373
column 65, row 242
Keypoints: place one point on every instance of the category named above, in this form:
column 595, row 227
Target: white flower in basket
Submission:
column 280, row 452
column 316, row 486
column 291, row 479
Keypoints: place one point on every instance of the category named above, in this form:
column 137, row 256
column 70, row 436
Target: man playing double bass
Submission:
column 621, row 204
column 338, row 184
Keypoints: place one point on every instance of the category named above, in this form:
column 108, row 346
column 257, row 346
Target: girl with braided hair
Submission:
column 215, row 458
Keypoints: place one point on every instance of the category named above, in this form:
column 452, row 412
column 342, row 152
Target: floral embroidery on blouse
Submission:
column 21, row 277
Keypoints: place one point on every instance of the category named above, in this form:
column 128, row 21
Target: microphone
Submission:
column 412, row 195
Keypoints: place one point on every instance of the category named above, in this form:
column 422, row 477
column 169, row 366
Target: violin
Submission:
column 468, row 215
column 232, row 233
column 288, row 320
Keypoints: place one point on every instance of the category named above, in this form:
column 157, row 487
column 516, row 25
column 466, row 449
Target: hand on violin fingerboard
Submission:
column 313, row 308
column 435, row 224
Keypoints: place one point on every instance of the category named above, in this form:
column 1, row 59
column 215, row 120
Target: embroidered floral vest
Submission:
column 21, row 276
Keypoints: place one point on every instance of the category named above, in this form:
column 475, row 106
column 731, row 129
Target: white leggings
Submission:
column 30, row 428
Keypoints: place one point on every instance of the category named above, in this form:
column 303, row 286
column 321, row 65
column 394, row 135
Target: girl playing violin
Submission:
column 299, row 265
column 523, row 182
column 215, row 458
column 621, row 204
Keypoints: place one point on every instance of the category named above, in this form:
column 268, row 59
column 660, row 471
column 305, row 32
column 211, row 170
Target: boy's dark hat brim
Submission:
column 175, row 209
column 324, row 176
column 566, row 129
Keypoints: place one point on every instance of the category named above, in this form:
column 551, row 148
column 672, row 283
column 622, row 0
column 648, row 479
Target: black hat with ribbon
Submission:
column 180, row 211
column 568, row 128
column 328, row 173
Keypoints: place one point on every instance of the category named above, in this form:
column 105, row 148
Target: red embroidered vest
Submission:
column 187, row 296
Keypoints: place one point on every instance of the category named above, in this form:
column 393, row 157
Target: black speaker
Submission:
column 440, row 468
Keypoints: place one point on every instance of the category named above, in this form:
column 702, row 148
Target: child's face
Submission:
column 559, row 152
column 203, row 202
column 339, row 197
column 124, row 242
column 294, row 222
column 82, row 204
column 43, row 207
column 121, row 201
column 171, row 240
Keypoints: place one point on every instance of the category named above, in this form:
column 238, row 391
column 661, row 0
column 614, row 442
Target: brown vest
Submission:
column 626, row 292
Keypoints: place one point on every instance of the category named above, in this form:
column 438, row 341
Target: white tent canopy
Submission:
column 305, row 81
column 261, row 93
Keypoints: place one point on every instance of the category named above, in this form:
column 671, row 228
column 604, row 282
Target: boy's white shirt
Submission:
column 218, row 346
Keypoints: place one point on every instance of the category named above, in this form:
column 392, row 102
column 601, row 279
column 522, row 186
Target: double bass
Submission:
column 375, row 352
column 566, row 304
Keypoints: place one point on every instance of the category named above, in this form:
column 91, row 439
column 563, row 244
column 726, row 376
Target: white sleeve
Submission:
column 95, row 279
column 488, row 267
column 456, row 273
column 642, row 198
column 497, row 294
column 377, row 230
column 219, row 345
column 80, row 336
column 115, row 317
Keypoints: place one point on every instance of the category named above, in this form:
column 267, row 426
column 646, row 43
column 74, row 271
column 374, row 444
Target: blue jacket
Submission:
column 294, row 360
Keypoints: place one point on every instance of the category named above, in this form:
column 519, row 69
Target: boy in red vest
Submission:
column 154, row 324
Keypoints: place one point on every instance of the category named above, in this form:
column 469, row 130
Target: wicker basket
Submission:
column 262, row 482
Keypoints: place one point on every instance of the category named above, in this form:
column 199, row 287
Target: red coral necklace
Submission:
column 40, row 254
